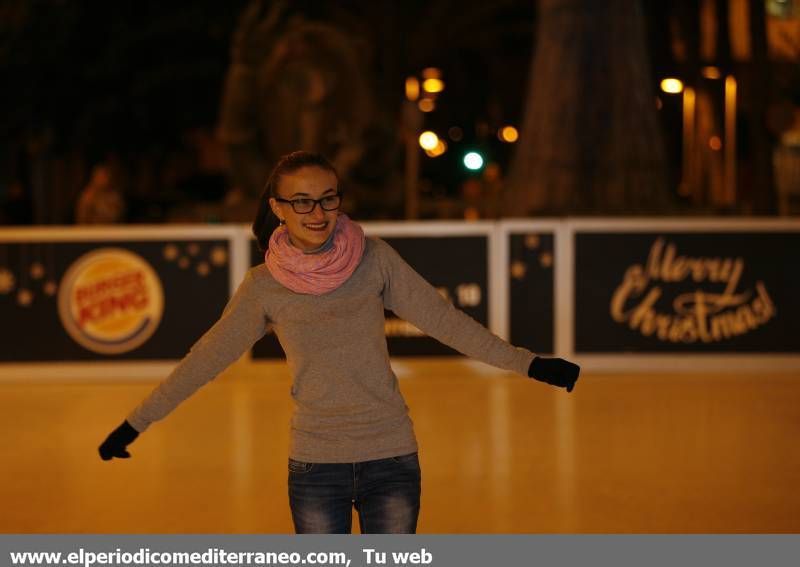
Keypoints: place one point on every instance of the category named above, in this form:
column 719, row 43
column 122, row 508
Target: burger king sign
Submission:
column 110, row 301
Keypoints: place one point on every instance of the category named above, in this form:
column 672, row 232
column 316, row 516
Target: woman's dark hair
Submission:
column 266, row 221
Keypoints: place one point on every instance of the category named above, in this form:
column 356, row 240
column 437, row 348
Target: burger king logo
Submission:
column 110, row 301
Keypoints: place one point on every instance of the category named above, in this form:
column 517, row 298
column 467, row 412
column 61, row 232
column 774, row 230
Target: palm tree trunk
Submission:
column 590, row 140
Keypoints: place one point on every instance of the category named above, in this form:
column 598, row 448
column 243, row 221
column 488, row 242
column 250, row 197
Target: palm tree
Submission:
column 590, row 139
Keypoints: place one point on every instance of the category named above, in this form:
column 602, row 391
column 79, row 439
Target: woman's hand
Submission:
column 117, row 441
column 555, row 371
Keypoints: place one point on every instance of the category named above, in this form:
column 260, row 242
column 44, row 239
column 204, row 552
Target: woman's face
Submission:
column 307, row 231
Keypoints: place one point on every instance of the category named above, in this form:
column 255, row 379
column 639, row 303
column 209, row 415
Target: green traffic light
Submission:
column 473, row 161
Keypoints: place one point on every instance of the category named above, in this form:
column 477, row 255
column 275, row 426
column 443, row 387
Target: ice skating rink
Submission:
column 624, row 453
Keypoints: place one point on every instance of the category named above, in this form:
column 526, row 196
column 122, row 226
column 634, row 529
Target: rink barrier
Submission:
column 761, row 258
column 552, row 286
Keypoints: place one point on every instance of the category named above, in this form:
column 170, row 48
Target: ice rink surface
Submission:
column 623, row 453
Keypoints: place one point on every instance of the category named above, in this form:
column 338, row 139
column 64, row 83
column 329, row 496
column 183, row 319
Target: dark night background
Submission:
column 137, row 86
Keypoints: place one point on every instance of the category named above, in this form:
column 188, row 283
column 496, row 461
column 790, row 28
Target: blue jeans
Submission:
column 384, row 492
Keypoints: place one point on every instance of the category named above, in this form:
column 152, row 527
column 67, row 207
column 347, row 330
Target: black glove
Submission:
column 115, row 443
column 555, row 371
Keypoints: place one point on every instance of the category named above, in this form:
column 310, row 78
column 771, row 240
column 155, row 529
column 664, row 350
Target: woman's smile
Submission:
column 316, row 227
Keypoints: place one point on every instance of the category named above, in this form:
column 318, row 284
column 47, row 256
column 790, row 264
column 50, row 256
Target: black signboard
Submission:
column 531, row 301
column 109, row 301
column 455, row 265
column 663, row 292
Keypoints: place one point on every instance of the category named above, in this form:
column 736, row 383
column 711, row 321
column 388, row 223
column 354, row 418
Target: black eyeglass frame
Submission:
column 338, row 194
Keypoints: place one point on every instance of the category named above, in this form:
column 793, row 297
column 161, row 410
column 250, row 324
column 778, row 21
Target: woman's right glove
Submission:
column 117, row 441
column 554, row 371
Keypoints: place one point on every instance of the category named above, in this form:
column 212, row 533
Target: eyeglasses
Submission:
column 304, row 206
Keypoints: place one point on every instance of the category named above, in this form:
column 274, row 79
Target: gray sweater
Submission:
column 348, row 406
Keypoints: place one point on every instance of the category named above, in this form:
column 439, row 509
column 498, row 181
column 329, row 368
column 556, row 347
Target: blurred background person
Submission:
column 101, row 201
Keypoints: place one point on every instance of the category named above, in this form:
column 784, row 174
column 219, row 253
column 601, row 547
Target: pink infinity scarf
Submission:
column 318, row 273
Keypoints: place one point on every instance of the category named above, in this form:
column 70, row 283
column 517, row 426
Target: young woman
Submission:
column 323, row 288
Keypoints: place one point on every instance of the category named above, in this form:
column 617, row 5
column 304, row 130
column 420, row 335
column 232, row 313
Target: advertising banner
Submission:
column 692, row 292
column 531, row 284
column 455, row 265
column 109, row 300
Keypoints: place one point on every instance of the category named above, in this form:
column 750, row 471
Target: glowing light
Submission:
column 441, row 147
column 426, row 105
column 219, row 256
column 518, row 270
column 711, row 72
column 428, row 140
column 492, row 172
column 412, row 88
column 433, row 85
column 431, row 73
column 473, row 161
column 24, row 297
column 715, row 143
column 7, row 281
column 37, row 270
column 50, row 288
column 532, row 241
column 671, row 86
column 729, row 157
column 170, row 252
column 508, row 134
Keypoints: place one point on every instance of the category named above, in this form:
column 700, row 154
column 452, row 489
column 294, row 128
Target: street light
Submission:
column 428, row 140
column 426, row 105
column 433, row 85
column 671, row 85
column 730, row 140
column 412, row 88
column 473, row 161
column 711, row 72
column 441, row 147
column 508, row 134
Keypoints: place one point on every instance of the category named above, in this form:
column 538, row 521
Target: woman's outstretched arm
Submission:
column 242, row 323
column 415, row 300
column 411, row 297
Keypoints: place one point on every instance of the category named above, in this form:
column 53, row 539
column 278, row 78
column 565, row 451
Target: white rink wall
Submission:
column 616, row 295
